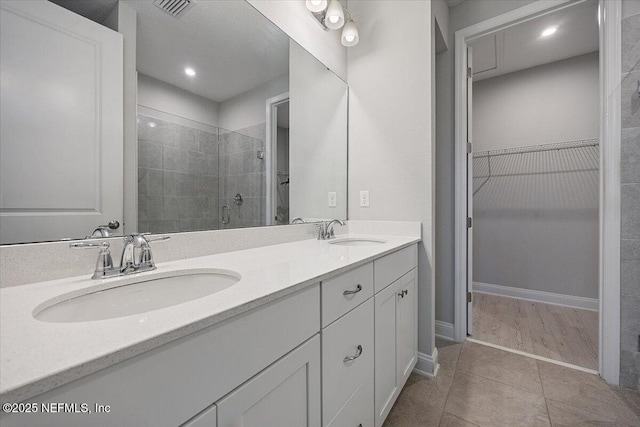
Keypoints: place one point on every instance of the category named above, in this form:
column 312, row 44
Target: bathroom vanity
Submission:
column 324, row 334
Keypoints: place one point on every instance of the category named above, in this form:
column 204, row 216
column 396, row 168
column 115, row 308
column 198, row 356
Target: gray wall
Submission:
column 551, row 103
column 630, row 189
column 536, row 217
column 461, row 16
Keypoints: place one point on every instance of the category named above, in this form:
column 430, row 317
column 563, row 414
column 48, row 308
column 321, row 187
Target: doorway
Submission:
column 530, row 184
column 277, row 154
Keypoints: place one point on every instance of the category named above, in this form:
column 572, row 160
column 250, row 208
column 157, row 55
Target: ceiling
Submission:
column 521, row 46
column 96, row 10
column 230, row 45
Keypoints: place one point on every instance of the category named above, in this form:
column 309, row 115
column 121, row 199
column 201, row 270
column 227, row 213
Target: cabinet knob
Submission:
column 352, row 358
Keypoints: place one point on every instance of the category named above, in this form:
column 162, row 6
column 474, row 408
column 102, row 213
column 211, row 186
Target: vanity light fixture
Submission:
column 548, row 31
column 190, row 72
column 331, row 16
column 316, row 5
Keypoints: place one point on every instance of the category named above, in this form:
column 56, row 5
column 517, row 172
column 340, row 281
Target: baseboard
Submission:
column 427, row 364
column 444, row 330
column 538, row 296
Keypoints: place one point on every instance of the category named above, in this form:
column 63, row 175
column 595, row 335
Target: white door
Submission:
column 385, row 343
column 61, row 117
column 407, row 323
column 469, row 191
column 286, row 394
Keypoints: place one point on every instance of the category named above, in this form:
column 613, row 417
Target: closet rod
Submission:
column 539, row 148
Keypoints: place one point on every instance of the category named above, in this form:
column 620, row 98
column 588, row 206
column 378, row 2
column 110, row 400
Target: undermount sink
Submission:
column 135, row 297
column 356, row 241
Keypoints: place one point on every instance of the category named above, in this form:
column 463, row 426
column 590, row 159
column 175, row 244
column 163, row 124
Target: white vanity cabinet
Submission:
column 396, row 338
column 334, row 354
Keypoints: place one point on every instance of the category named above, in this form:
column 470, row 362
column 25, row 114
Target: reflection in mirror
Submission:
column 224, row 66
column 238, row 126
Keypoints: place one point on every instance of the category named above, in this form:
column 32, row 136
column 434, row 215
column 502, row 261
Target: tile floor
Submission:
column 483, row 386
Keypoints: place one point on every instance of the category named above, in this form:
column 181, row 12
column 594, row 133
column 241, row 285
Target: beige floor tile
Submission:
column 508, row 368
column 574, row 397
column 630, row 397
column 490, row 403
column 449, row 420
column 412, row 411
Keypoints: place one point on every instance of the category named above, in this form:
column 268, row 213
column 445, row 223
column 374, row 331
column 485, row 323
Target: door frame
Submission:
column 610, row 125
column 271, row 155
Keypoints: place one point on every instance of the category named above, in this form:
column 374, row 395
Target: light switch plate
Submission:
column 332, row 199
column 364, row 198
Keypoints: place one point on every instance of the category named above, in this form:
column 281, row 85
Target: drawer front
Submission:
column 390, row 268
column 358, row 412
column 350, row 336
column 345, row 292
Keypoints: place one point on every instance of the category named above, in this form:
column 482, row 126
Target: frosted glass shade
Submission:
column 335, row 15
column 350, row 36
column 316, row 5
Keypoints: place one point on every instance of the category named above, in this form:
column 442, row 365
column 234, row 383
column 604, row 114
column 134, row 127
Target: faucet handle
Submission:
column 104, row 264
column 157, row 238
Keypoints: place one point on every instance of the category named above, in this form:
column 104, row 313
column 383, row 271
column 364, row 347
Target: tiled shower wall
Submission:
column 630, row 194
column 243, row 172
column 177, row 177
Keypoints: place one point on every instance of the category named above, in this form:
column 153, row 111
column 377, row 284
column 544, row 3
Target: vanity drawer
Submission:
column 390, row 268
column 358, row 286
column 358, row 411
column 350, row 336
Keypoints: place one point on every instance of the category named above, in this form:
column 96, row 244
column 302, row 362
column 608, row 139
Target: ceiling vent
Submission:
column 175, row 8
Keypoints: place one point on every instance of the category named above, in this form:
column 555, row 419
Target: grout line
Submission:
column 534, row 356
column 544, row 396
column 453, row 378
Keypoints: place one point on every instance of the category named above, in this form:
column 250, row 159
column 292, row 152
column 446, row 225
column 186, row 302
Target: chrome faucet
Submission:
column 299, row 220
column 130, row 262
column 325, row 229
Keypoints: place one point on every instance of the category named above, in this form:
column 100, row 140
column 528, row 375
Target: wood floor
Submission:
column 560, row 333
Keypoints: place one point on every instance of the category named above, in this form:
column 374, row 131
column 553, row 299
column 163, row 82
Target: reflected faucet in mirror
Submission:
column 129, row 262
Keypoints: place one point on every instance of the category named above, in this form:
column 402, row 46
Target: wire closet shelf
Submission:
column 560, row 157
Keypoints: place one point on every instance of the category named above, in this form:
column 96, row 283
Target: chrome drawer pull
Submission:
column 358, row 289
column 352, row 358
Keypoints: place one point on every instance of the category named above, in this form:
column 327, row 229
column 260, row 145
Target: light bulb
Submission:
column 350, row 35
column 549, row 31
column 335, row 15
column 316, row 5
column 190, row 71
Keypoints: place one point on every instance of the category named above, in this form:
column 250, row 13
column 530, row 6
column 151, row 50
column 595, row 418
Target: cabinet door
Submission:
column 407, row 323
column 286, row 394
column 386, row 378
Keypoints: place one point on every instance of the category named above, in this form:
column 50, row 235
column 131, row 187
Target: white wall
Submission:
column 390, row 144
column 463, row 15
column 158, row 95
column 295, row 20
column 317, row 138
column 551, row 103
column 249, row 108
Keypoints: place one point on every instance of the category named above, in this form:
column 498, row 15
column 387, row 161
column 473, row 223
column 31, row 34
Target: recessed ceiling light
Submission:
column 190, row 72
column 549, row 31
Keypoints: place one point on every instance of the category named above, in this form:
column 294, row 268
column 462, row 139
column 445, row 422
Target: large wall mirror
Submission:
column 238, row 125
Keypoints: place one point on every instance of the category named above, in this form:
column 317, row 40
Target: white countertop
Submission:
column 37, row 356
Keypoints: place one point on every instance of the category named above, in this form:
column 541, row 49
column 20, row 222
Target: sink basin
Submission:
column 355, row 241
column 135, row 297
